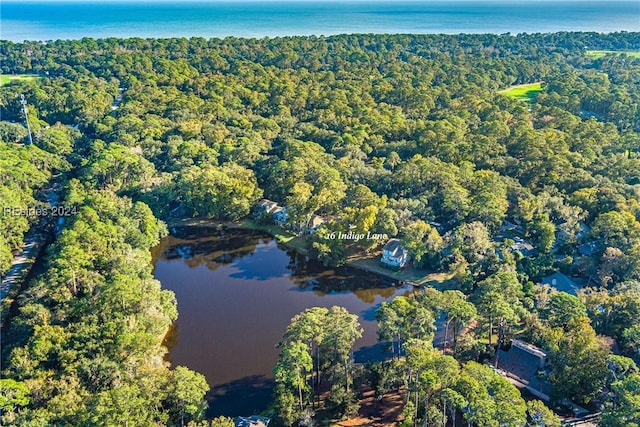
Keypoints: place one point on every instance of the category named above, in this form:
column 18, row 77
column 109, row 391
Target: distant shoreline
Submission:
column 72, row 20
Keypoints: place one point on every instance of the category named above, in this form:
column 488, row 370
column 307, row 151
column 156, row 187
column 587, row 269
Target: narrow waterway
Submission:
column 236, row 293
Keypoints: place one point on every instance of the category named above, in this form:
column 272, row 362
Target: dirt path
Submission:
column 377, row 413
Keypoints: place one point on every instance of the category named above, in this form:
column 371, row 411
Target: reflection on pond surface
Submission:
column 236, row 293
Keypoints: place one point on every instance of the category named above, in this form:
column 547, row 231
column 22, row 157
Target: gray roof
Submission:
column 524, row 363
column 529, row 348
column 561, row 282
column 391, row 245
column 591, row 248
column 253, row 421
column 394, row 247
column 524, row 247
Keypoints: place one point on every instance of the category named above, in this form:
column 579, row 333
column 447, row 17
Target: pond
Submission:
column 236, row 292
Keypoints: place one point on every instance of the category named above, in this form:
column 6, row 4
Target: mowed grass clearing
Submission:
column 525, row 92
column 8, row 78
column 597, row 54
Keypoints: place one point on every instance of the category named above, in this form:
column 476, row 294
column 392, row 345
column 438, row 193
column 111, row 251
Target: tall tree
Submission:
column 541, row 415
column 423, row 242
column 293, row 364
column 226, row 192
column 458, row 311
column 498, row 300
column 404, row 318
column 575, row 349
column 625, row 410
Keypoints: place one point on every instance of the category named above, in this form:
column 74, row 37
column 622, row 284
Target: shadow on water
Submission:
column 243, row 397
column 370, row 313
column 322, row 286
column 373, row 353
column 311, row 275
column 263, row 264
column 248, row 251
column 170, row 340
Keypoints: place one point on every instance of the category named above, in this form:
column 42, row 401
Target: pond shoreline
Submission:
column 363, row 262
column 237, row 290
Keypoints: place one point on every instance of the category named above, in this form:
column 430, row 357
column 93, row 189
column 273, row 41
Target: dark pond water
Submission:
column 236, row 293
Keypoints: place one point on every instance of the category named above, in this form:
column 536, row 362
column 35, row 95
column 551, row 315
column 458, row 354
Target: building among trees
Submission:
column 394, row 254
column 253, row 421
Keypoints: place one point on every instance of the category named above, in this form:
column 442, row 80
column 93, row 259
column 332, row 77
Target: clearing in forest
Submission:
column 597, row 54
column 525, row 92
column 8, row 78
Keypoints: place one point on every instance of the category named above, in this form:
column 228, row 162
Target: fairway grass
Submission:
column 8, row 78
column 597, row 54
column 526, row 92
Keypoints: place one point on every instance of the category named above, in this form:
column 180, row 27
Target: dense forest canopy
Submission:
column 405, row 135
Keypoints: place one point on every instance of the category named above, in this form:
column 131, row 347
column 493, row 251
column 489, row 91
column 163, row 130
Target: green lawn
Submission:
column 597, row 54
column 286, row 237
column 526, row 92
column 7, row 78
column 371, row 263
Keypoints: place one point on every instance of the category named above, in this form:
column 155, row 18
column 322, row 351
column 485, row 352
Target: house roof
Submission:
column 523, row 360
column 591, row 248
column 315, row 221
column 392, row 245
column 584, row 228
column 529, row 348
column 267, row 202
column 267, row 205
column 519, row 362
column 394, row 248
column 279, row 209
column 561, row 282
column 253, row 421
column 524, row 247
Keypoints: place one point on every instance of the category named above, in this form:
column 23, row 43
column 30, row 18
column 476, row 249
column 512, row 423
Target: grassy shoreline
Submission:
column 440, row 281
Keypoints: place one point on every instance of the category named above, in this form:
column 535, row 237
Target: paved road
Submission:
column 22, row 263
column 35, row 238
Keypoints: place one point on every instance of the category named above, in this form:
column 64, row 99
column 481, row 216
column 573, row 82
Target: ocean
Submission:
column 75, row 19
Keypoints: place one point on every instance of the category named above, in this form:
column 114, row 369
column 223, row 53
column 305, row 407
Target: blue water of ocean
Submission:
column 74, row 19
